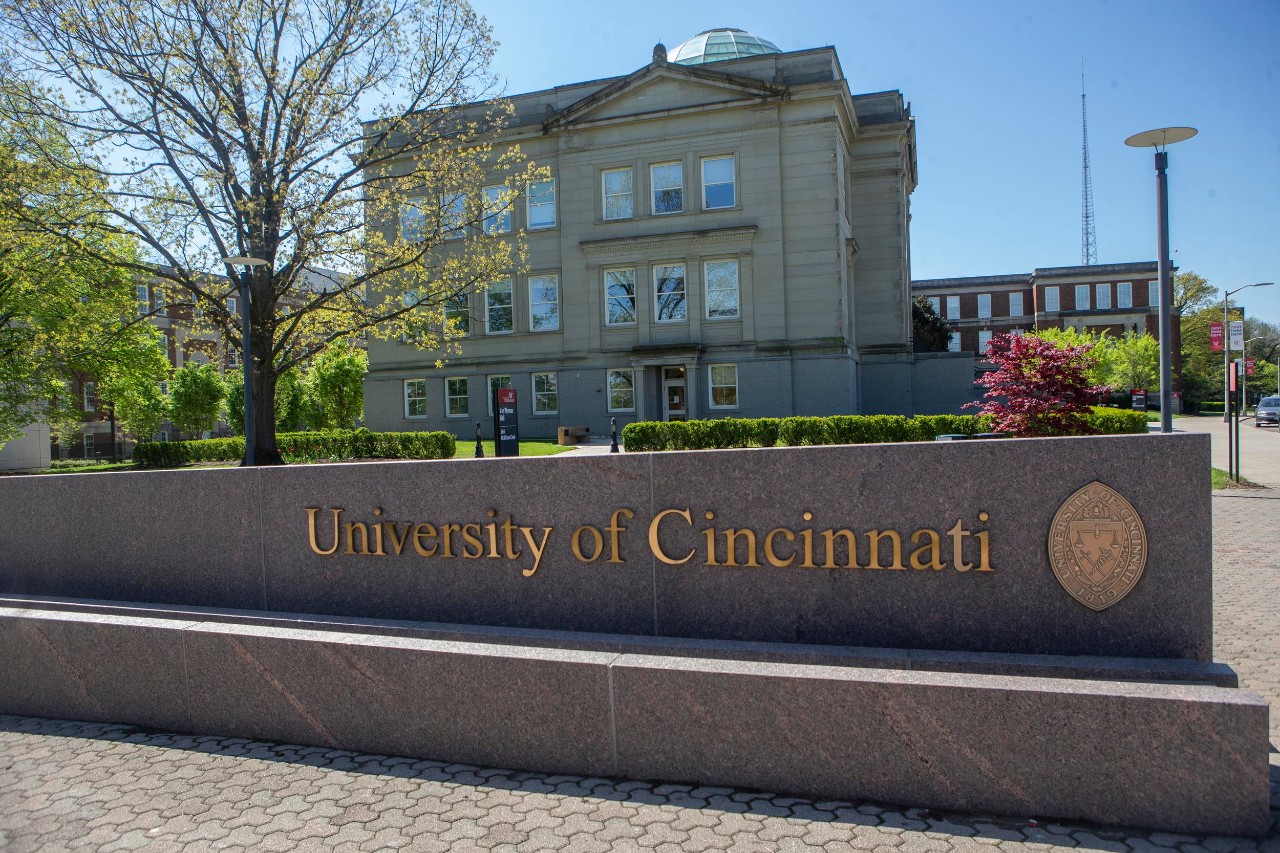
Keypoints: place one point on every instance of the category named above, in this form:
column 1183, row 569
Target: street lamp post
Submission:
column 246, row 349
column 1160, row 139
column 1226, row 342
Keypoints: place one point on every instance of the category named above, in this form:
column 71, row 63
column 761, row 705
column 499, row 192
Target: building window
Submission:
column 1082, row 297
column 1104, row 297
column 164, row 435
column 622, row 390
column 1124, row 294
column 90, row 396
column 721, row 281
column 161, row 304
column 953, row 307
column 936, row 304
column 496, row 382
column 497, row 211
column 497, row 304
column 1051, row 299
column 453, row 215
column 144, row 301
column 545, row 399
column 540, row 204
column 669, row 293
column 619, row 194
column 1015, row 304
column 620, row 297
column 717, row 183
column 457, row 316
column 415, row 398
column 163, row 343
column 668, row 187
column 88, row 446
column 232, row 306
column 984, row 306
column 411, row 221
column 984, row 339
column 456, row 403
column 724, row 386
column 164, row 389
column 233, row 358
column 544, row 303
column 953, row 345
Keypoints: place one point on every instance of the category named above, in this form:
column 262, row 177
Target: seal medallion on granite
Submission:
column 1097, row 546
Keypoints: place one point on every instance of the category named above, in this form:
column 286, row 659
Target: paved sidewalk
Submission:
column 1259, row 447
column 87, row 786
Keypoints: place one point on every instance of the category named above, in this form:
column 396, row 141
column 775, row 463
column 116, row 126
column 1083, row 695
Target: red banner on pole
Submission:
column 1250, row 367
column 1215, row 337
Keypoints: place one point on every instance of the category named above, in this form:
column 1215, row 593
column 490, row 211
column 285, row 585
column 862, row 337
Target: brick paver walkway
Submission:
column 86, row 786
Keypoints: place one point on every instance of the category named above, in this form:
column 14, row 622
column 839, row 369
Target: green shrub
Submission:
column 1211, row 408
column 644, row 436
column 1117, row 421
column 302, row 447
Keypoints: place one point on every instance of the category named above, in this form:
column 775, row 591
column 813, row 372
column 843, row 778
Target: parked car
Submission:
column 1268, row 412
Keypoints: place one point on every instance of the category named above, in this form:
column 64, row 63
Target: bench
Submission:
column 567, row 435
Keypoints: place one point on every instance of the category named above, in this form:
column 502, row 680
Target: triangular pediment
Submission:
column 662, row 87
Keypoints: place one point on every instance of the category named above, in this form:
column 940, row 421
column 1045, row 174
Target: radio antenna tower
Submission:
column 1088, row 239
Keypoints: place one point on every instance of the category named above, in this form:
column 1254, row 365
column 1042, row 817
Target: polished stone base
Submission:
column 1188, row 757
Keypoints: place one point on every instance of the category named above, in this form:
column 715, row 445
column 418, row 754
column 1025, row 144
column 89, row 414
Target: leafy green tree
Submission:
column 1134, row 362
column 66, row 307
column 335, row 384
column 236, row 130
column 1101, row 350
column 134, row 390
column 291, row 403
column 195, row 398
column 929, row 332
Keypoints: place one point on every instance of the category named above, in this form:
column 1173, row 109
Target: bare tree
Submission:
column 234, row 128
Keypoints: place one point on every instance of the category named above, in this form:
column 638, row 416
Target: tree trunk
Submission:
column 266, row 451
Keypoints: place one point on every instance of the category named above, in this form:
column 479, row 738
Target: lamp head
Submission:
column 1160, row 137
column 244, row 261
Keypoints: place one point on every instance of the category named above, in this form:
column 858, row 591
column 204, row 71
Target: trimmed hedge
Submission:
column 835, row 429
column 1214, row 408
column 303, row 446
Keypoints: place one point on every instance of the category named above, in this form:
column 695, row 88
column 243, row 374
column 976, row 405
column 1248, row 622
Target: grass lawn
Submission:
column 1222, row 481
column 528, row 447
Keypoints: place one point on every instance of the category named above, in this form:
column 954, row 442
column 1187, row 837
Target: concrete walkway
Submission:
column 1259, row 447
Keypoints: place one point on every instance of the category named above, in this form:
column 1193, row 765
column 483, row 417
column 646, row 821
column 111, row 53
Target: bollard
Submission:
column 479, row 446
column 613, row 435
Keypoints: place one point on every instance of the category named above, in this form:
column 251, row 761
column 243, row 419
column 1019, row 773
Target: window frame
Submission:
column 1126, row 288
column 936, row 303
column 88, row 445
column 451, row 228
column 142, row 294
column 1098, row 293
column 653, row 189
column 706, row 290
column 555, row 278
column 684, row 290
column 954, row 345
column 465, row 396
column 496, row 216
column 426, row 411
column 489, row 386
column 733, row 180
column 1087, row 290
column 982, row 346
column 528, row 206
column 984, row 297
column 953, row 301
column 233, row 306
column 1021, row 307
column 489, row 308
column 89, row 396
column 604, row 193
column 555, row 391
column 711, row 387
column 413, row 233
column 635, row 315
column 465, row 309
column 1051, row 294
column 608, row 389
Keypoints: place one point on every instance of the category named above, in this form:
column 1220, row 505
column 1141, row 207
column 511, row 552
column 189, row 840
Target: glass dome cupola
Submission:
column 719, row 45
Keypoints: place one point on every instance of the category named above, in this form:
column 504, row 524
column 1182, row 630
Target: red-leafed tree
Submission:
column 1039, row 388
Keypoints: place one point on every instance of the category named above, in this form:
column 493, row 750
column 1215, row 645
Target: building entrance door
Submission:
column 675, row 402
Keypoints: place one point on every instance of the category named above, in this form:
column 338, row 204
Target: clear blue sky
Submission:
column 995, row 88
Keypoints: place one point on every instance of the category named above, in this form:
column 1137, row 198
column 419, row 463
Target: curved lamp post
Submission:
column 1226, row 345
column 246, row 349
column 1160, row 139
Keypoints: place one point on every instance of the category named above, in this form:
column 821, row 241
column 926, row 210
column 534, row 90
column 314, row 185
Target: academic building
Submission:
column 724, row 233
column 1113, row 298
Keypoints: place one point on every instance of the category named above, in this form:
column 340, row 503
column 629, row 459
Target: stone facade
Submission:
column 783, row 258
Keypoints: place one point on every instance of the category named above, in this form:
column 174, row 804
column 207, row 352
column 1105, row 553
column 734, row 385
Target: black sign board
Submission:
column 1139, row 399
column 506, row 433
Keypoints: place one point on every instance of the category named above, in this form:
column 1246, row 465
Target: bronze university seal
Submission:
column 1097, row 546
